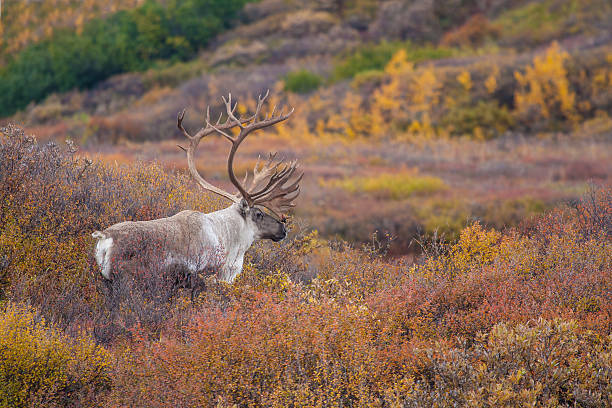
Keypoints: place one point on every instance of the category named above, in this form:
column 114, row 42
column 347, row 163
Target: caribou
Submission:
column 195, row 242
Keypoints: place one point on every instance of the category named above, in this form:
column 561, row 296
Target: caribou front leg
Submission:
column 231, row 270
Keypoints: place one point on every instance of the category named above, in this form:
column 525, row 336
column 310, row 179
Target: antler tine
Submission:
column 280, row 198
column 179, row 124
column 255, row 125
column 284, row 199
column 260, row 171
column 273, row 111
column 221, row 132
column 279, row 188
column 281, row 203
column 260, row 102
column 274, row 175
column 230, row 111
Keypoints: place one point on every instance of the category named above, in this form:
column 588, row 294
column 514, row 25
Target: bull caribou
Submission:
column 193, row 241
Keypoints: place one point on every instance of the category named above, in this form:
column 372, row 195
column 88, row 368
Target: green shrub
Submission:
column 376, row 56
column 302, row 81
column 485, row 120
column 539, row 20
column 40, row 366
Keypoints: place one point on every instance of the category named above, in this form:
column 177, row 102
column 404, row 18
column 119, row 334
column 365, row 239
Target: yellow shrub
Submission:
column 491, row 81
column 396, row 186
column 41, row 366
column 387, row 100
column 465, row 79
column 476, row 248
column 545, row 86
column 425, row 90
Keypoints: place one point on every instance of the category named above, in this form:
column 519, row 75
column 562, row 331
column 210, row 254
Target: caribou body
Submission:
column 191, row 242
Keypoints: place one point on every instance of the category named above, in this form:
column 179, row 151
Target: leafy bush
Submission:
column 50, row 203
column 309, row 323
column 464, row 326
column 376, row 57
column 125, row 41
column 543, row 363
column 396, row 186
column 40, row 366
column 485, row 120
column 263, row 352
column 487, row 278
column 302, row 81
column 472, row 33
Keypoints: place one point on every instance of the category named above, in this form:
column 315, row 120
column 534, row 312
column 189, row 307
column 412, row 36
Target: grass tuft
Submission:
column 396, row 186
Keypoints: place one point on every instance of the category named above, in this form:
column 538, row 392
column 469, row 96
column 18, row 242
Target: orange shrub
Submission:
column 561, row 269
column 472, row 33
column 266, row 351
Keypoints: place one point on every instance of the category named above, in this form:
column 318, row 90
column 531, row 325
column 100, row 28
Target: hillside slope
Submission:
column 501, row 111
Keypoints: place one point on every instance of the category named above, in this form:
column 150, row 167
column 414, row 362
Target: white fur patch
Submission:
column 103, row 253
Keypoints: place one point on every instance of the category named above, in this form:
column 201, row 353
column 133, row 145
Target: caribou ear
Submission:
column 243, row 207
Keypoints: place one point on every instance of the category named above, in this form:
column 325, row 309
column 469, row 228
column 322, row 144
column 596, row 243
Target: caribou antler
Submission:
column 271, row 185
column 195, row 140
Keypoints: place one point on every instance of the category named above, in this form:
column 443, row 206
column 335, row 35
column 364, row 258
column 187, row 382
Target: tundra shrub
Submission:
column 543, row 363
column 40, row 366
column 302, row 81
column 50, row 203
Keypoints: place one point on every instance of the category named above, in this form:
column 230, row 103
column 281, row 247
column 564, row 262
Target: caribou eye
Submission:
column 259, row 216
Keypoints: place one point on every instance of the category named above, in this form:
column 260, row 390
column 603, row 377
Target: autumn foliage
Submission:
column 41, row 366
column 500, row 318
column 471, row 137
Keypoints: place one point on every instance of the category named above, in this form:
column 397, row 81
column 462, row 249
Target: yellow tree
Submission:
column 389, row 101
column 545, row 86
